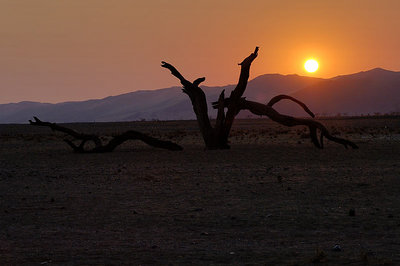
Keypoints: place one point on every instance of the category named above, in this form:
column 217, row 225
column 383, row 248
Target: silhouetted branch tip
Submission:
column 198, row 81
column 256, row 50
column 248, row 60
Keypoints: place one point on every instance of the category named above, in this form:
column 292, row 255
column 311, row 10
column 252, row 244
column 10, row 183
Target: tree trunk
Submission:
column 217, row 137
column 199, row 103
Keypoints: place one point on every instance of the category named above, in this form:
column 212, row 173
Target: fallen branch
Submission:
column 99, row 146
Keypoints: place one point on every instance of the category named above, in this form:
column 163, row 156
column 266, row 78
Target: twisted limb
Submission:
column 278, row 98
column 262, row 109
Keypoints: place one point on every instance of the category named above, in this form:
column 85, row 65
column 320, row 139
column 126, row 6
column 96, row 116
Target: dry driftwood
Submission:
column 217, row 137
column 110, row 145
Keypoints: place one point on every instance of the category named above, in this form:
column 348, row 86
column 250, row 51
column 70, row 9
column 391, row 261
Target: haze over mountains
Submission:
column 368, row 92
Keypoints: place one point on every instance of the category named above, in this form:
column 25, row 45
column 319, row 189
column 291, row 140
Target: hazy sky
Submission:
column 59, row 50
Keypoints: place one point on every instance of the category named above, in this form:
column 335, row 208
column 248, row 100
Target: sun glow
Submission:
column 311, row 65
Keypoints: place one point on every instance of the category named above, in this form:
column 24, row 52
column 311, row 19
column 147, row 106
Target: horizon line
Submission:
column 209, row 86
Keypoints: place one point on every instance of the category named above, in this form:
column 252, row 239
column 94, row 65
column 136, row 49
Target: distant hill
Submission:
column 369, row 92
column 377, row 90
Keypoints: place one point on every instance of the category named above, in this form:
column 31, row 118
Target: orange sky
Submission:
column 52, row 51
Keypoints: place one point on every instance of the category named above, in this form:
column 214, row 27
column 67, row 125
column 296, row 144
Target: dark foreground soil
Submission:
column 272, row 199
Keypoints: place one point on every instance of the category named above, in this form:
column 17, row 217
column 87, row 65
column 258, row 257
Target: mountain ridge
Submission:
column 371, row 91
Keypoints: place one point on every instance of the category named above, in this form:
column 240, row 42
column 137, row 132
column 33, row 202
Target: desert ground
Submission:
column 272, row 199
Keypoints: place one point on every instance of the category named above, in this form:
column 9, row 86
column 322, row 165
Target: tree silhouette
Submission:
column 217, row 137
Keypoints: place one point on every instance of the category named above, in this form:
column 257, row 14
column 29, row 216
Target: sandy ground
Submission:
column 272, row 199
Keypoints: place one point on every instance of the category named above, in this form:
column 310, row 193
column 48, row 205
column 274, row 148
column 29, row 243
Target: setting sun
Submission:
column 311, row 65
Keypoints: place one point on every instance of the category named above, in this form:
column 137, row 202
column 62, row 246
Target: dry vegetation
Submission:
column 273, row 198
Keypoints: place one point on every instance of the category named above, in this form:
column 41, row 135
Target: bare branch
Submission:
column 278, row 98
column 175, row 72
column 237, row 93
column 244, row 76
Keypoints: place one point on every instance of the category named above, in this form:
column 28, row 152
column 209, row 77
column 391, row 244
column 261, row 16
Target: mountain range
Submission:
column 367, row 92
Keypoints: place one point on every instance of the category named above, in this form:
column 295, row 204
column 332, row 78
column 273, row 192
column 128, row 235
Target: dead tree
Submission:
column 217, row 137
column 99, row 147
